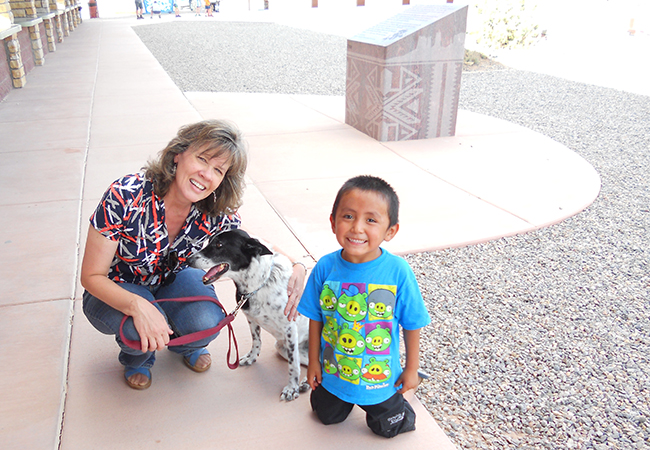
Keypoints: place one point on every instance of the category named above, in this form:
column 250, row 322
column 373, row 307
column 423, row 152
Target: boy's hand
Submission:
column 408, row 380
column 314, row 369
column 314, row 374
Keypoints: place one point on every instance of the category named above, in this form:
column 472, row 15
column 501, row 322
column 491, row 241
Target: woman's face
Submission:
column 198, row 174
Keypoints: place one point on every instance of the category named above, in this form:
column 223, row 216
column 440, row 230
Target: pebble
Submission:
column 538, row 341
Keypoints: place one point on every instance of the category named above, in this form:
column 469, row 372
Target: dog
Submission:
column 261, row 277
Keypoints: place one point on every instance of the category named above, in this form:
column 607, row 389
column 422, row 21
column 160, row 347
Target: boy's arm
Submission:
column 409, row 378
column 314, row 370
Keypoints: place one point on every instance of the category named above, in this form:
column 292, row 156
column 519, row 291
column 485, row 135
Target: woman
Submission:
column 143, row 230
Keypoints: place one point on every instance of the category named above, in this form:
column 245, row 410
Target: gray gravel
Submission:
column 247, row 57
column 538, row 341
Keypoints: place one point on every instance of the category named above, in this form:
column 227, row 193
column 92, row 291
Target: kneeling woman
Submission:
column 143, row 230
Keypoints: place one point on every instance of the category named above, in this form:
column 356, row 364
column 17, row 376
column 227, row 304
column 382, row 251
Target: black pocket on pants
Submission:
column 390, row 418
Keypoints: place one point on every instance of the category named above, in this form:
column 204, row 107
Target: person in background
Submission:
column 139, row 9
column 208, row 8
column 155, row 8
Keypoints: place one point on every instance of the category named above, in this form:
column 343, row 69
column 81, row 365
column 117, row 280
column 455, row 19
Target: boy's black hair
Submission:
column 373, row 184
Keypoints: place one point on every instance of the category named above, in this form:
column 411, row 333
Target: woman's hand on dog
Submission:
column 294, row 291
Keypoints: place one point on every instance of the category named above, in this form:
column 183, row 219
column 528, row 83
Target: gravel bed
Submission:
column 541, row 340
column 215, row 56
column 538, row 341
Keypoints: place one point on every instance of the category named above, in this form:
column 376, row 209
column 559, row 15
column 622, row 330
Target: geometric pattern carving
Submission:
column 403, row 76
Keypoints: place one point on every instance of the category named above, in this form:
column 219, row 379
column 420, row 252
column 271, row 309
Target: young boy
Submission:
column 356, row 299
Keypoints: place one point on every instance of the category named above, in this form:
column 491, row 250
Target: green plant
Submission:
column 473, row 58
column 506, row 23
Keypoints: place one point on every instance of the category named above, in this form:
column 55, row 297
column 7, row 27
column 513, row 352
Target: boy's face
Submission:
column 361, row 224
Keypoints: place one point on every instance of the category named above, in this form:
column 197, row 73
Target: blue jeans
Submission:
column 183, row 318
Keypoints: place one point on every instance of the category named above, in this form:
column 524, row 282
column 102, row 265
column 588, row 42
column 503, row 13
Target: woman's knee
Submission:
column 203, row 315
column 190, row 317
column 129, row 331
column 107, row 319
column 101, row 316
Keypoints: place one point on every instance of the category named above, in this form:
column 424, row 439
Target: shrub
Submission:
column 506, row 24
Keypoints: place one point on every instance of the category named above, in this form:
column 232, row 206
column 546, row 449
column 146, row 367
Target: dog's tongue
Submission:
column 214, row 273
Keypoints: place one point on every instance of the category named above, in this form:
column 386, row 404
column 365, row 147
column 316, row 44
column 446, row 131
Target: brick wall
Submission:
column 42, row 6
column 23, row 9
column 21, row 51
column 5, row 10
column 13, row 53
column 59, row 27
column 43, row 32
column 5, row 74
column 36, row 45
column 26, row 50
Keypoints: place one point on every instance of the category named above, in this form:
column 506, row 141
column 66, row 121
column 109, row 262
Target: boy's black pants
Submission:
column 388, row 419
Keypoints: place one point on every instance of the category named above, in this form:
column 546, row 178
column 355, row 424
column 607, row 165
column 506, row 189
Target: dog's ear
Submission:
column 256, row 248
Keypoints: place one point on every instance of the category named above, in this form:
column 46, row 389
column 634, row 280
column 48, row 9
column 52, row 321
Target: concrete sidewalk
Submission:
column 98, row 109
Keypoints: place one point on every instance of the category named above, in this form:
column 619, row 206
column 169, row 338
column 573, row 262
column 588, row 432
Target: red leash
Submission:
column 193, row 337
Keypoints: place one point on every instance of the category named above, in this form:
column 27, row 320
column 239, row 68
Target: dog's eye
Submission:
column 219, row 244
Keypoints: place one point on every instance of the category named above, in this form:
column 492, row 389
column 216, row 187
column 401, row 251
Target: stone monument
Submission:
column 403, row 75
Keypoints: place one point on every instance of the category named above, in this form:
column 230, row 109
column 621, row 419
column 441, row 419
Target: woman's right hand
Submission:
column 151, row 325
column 148, row 320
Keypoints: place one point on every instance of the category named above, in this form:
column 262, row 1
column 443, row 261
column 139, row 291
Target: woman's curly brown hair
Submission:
column 214, row 138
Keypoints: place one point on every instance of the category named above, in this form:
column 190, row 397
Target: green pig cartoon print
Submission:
column 352, row 304
column 349, row 369
column 330, row 330
column 376, row 371
column 327, row 299
column 378, row 340
column 350, row 341
column 381, row 303
column 329, row 361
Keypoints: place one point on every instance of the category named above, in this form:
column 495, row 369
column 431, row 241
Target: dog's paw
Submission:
column 304, row 386
column 290, row 393
column 248, row 360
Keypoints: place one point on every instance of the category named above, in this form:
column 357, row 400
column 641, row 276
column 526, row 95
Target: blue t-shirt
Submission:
column 362, row 307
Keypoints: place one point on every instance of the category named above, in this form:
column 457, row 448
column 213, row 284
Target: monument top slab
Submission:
column 397, row 27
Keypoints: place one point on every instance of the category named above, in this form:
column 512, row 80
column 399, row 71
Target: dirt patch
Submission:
column 475, row 61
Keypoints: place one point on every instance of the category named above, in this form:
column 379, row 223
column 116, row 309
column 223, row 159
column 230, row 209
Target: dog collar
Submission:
column 243, row 298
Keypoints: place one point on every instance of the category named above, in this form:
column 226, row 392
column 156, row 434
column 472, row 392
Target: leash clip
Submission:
column 242, row 299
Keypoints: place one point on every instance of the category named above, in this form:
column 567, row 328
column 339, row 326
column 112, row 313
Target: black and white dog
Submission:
column 261, row 278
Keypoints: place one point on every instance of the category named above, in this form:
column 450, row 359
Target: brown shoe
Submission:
column 129, row 372
column 192, row 360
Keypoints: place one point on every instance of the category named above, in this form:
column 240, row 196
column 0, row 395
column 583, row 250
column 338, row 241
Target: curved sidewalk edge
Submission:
column 493, row 179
